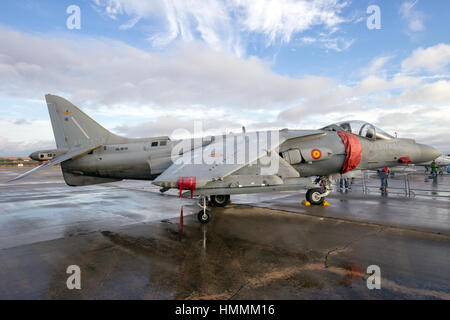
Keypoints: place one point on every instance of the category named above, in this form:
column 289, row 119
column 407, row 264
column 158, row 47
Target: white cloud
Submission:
column 25, row 130
column 337, row 44
column 280, row 19
column 436, row 92
column 373, row 84
column 23, row 148
column 222, row 24
column 413, row 17
column 192, row 81
column 328, row 41
column 104, row 72
column 431, row 59
column 20, row 137
column 167, row 125
column 179, row 19
column 308, row 40
column 375, row 65
column 415, row 107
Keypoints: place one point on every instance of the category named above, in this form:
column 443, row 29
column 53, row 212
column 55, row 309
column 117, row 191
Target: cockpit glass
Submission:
column 361, row 128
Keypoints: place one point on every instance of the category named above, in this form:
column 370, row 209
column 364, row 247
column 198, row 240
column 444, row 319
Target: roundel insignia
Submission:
column 316, row 154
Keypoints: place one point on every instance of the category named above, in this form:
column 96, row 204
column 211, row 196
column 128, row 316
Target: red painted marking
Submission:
column 405, row 160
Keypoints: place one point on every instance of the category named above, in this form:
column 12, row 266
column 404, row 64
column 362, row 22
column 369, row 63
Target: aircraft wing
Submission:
column 66, row 156
column 223, row 158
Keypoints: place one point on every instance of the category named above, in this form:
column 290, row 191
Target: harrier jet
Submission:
column 216, row 167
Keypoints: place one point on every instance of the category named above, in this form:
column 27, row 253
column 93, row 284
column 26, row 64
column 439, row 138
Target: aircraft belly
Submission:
column 298, row 184
column 116, row 166
column 321, row 168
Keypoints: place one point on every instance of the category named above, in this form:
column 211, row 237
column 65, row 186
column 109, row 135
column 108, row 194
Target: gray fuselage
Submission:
column 145, row 159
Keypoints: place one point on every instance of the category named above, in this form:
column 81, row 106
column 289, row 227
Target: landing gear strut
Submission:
column 316, row 196
column 203, row 215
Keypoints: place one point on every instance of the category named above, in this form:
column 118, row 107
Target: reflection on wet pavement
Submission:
column 125, row 238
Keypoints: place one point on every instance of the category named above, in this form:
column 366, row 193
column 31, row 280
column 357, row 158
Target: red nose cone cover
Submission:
column 354, row 151
column 404, row 160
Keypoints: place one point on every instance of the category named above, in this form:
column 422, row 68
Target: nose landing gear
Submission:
column 316, row 196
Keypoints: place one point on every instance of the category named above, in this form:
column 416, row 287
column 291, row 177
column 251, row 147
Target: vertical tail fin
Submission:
column 73, row 128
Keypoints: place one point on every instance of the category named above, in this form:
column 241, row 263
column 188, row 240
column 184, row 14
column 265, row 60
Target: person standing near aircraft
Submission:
column 343, row 184
column 384, row 173
column 434, row 168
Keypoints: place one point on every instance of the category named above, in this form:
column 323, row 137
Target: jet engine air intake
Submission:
column 354, row 151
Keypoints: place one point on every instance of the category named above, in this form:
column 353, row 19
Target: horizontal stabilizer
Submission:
column 66, row 156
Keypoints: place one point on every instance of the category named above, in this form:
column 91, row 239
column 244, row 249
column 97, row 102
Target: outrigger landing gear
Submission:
column 316, row 196
column 203, row 215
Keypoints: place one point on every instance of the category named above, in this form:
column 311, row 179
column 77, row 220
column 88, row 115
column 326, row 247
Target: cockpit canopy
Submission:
column 360, row 128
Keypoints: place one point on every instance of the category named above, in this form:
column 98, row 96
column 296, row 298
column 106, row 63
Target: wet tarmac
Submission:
column 125, row 238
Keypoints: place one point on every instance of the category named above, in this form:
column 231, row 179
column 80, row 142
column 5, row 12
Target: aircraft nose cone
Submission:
column 34, row 156
column 428, row 153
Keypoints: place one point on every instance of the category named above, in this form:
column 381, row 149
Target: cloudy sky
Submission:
column 144, row 68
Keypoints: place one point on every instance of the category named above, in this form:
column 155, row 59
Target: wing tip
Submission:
column 14, row 179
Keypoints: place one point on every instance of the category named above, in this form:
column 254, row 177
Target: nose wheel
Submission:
column 314, row 196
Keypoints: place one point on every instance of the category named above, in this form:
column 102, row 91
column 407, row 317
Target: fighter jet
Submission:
column 215, row 167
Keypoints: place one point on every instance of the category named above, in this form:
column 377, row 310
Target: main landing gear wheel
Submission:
column 204, row 216
column 220, row 200
column 314, row 196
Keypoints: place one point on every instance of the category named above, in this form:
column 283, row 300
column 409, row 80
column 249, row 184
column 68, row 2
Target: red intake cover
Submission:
column 354, row 151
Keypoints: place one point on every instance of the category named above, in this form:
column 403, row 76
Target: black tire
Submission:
column 204, row 218
column 311, row 196
column 220, row 200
